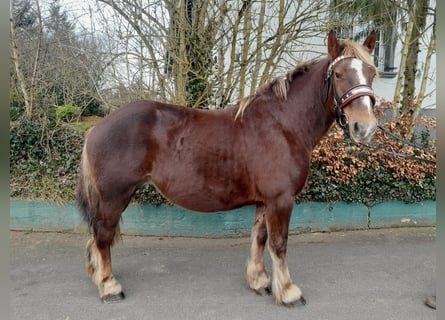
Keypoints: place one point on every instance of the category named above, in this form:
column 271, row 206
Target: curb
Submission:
column 165, row 220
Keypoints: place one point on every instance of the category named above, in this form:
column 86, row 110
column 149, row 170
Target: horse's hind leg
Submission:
column 256, row 275
column 98, row 255
column 277, row 222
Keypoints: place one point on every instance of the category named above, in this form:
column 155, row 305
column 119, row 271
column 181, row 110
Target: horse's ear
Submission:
column 333, row 46
column 370, row 41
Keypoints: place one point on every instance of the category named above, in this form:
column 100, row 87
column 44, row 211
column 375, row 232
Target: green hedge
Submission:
column 370, row 186
column 67, row 113
column 44, row 159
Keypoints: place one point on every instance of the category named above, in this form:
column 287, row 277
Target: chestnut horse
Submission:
column 257, row 152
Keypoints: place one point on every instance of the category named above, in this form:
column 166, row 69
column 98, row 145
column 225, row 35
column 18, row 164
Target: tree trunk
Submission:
column 177, row 50
column 426, row 68
column 245, row 50
column 258, row 49
column 230, row 80
column 400, row 76
column 20, row 76
column 277, row 43
column 409, row 87
column 37, row 56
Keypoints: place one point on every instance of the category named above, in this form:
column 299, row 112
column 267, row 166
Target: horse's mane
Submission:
column 280, row 85
column 353, row 49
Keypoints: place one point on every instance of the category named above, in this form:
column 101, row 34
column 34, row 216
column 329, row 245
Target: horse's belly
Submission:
column 205, row 199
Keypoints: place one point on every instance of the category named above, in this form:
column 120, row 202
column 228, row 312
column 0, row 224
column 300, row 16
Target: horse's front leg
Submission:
column 256, row 275
column 277, row 222
column 98, row 255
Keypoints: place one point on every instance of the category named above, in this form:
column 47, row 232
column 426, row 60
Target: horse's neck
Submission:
column 307, row 109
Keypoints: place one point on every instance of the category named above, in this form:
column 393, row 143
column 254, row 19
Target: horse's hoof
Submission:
column 301, row 301
column 112, row 298
column 263, row 291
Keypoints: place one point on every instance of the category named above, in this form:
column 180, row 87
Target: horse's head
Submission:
column 349, row 76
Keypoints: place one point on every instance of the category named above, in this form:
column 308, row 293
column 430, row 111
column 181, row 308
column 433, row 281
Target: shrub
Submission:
column 93, row 109
column 44, row 159
column 67, row 113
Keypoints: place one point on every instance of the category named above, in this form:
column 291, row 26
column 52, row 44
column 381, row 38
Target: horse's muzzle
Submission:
column 362, row 131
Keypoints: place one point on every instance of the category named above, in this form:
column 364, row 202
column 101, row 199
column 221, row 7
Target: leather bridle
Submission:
column 355, row 92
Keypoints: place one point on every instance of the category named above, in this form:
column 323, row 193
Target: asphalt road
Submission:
column 373, row 274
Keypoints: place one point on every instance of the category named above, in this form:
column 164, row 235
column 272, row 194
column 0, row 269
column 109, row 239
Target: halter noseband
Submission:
column 355, row 92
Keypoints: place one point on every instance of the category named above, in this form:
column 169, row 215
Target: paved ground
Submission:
column 378, row 274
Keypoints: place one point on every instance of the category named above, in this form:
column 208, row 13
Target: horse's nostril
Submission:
column 362, row 129
column 359, row 129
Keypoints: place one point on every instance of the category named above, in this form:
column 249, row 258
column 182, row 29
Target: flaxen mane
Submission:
column 280, row 85
column 352, row 49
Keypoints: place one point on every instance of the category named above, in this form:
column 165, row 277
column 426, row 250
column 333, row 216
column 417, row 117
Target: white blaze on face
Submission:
column 358, row 66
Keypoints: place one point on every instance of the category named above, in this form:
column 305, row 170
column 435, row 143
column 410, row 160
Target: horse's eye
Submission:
column 337, row 75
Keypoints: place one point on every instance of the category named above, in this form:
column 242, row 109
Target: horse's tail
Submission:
column 87, row 196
